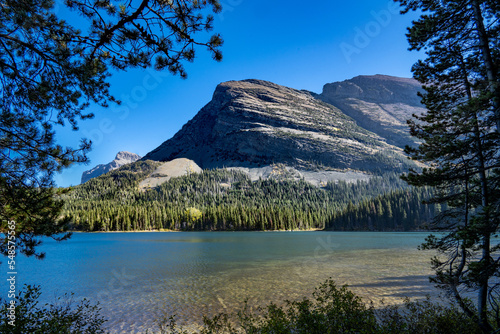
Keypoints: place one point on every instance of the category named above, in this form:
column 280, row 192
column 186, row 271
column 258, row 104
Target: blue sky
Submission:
column 299, row 44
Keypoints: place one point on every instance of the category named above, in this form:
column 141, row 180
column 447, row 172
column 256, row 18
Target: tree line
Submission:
column 224, row 199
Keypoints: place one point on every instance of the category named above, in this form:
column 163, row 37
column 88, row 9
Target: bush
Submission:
column 337, row 310
column 60, row 318
column 426, row 317
column 333, row 310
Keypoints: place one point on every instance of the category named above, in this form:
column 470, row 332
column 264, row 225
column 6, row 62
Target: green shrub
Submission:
column 332, row 310
column 426, row 317
column 59, row 318
column 338, row 310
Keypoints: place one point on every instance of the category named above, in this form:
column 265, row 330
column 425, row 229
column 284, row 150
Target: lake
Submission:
column 138, row 277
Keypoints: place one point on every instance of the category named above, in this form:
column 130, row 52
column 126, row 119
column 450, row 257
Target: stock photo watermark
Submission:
column 364, row 35
column 228, row 6
column 325, row 246
column 11, row 272
column 117, row 284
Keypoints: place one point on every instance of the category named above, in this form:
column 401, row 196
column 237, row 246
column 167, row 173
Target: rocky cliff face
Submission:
column 378, row 103
column 122, row 158
column 253, row 123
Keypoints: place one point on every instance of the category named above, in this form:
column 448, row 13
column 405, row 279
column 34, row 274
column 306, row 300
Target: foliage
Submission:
column 228, row 200
column 192, row 215
column 33, row 212
column 334, row 309
column 397, row 210
column 426, row 317
column 51, row 72
column 58, row 318
column 460, row 142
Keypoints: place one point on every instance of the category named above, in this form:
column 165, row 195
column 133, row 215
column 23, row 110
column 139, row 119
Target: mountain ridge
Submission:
column 356, row 125
column 379, row 103
column 253, row 123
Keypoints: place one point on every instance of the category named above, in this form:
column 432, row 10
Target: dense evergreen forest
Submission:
column 223, row 199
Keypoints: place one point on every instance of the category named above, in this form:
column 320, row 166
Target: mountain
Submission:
column 255, row 123
column 291, row 161
column 378, row 103
column 122, row 158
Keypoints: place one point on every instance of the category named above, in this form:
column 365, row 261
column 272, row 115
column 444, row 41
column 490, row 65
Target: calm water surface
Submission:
column 138, row 277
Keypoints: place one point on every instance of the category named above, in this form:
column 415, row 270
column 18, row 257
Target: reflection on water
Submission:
column 137, row 277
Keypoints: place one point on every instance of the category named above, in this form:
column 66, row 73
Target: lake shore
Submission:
column 138, row 277
column 194, row 231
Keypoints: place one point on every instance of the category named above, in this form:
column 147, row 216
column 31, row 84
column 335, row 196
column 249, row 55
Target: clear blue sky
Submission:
column 299, row 44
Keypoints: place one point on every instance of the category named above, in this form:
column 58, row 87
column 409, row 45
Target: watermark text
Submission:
column 11, row 273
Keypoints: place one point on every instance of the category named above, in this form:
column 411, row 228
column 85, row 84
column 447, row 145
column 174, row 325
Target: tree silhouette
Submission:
column 51, row 72
column 460, row 142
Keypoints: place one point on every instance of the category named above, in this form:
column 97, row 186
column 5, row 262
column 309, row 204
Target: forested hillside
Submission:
column 222, row 199
column 400, row 209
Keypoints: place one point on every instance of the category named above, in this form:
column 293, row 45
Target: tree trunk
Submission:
column 485, row 228
column 484, row 45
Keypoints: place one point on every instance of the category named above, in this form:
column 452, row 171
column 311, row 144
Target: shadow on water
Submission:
column 399, row 287
column 396, row 281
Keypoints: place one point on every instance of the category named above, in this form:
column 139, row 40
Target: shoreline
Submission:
column 208, row 231
column 166, row 230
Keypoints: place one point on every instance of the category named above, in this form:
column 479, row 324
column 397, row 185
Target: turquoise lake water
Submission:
column 139, row 277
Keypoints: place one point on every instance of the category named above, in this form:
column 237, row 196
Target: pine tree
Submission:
column 460, row 141
column 51, row 73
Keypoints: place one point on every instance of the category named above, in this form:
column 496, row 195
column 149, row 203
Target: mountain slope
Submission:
column 254, row 123
column 167, row 170
column 122, row 158
column 378, row 103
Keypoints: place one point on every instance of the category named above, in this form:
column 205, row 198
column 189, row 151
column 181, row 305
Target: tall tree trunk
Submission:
column 484, row 45
column 485, row 228
column 463, row 258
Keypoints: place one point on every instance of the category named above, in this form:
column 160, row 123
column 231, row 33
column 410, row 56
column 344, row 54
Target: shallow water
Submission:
column 138, row 277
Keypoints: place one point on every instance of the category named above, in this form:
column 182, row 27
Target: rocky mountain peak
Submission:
column 376, row 88
column 122, row 158
column 254, row 123
column 379, row 103
column 126, row 156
